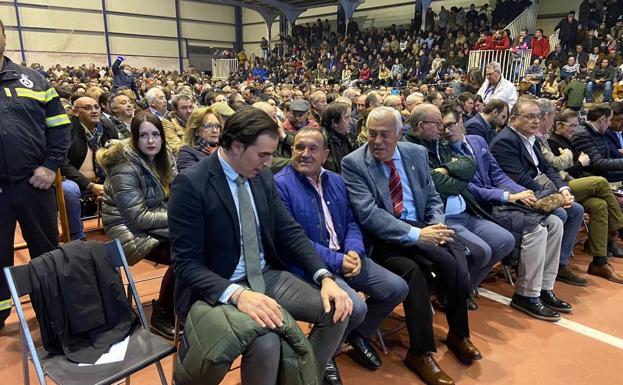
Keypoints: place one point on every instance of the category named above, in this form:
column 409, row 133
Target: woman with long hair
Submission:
column 201, row 137
column 139, row 172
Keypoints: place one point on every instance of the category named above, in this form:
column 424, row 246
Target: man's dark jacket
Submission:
column 205, row 232
column 477, row 125
column 79, row 301
column 512, row 155
column 339, row 146
column 594, row 144
column 78, row 152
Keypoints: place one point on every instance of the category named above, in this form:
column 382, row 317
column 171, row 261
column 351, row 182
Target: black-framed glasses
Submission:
column 449, row 125
column 211, row 126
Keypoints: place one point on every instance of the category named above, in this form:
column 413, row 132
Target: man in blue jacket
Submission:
column 318, row 200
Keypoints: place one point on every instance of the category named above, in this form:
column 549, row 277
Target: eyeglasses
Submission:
column 211, row 126
column 574, row 125
column 438, row 123
column 89, row 107
column 449, row 125
column 531, row 116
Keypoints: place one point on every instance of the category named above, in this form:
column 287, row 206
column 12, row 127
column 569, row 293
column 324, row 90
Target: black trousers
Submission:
column 414, row 264
column 35, row 210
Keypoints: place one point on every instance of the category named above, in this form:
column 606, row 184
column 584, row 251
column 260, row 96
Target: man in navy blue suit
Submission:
column 487, row 122
column 614, row 134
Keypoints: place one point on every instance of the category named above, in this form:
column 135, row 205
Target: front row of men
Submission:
column 240, row 237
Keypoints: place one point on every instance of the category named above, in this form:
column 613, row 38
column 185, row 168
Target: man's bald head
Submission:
column 87, row 110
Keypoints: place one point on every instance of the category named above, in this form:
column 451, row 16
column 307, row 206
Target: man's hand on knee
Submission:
column 263, row 309
column 331, row 292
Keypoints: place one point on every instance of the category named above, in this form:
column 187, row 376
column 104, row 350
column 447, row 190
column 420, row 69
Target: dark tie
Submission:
column 465, row 149
column 250, row 243
column 395, row 188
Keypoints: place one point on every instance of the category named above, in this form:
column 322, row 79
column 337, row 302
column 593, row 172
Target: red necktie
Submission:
column 395, row 188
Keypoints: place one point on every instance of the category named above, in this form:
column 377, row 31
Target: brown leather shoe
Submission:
column 427, row 369
column 605, row 271
column 463, row 349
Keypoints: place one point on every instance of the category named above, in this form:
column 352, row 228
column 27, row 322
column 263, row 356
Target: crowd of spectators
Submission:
column 337, row 102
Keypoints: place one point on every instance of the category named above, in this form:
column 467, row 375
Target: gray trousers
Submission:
column 540, row 255
column 260, row 362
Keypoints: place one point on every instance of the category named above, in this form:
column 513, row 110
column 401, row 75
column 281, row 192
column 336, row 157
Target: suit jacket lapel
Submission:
column 219, row 181
column 380, row 180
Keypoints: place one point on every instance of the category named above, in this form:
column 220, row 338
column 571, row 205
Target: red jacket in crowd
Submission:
column 502, row 44
column 540, row 48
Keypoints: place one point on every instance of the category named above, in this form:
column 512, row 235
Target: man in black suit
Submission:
column 232, row 238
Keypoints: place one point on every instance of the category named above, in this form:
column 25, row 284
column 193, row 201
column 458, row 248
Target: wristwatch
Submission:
column 325, row 274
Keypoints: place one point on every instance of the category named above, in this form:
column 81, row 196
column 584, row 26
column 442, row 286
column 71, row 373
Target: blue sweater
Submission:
column 303, row 202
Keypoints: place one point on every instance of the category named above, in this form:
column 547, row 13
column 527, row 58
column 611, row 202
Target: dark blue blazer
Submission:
column 613, row 144
column 477, row 125
column 490, row 182
column 514, row 158
column 205, row 232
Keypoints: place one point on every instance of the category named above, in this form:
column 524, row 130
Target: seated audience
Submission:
column 139, row 172
column 602, row 77
column 517, row 152
column 590, row 139
column 403, row 216
column 614, row 133
column 232, row 239
column 487, row 242
column 183, row 107
column 339, row 242
column 123, row 110
column 336, row 122
column 486, row 123
column 83, row 174
column 201, row 137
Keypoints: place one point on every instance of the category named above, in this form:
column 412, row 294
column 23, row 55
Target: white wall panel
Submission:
column 80, row 4
column 55, row 19
column 143, row 7
column 206, row 31
column 207, row 12
column 142, row 46
column 63, row 42
column 142, row 25
column 7, row 14
column 250, row 16
column 12, row 39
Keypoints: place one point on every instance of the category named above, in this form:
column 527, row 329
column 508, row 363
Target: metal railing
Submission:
column 223, row 68
column 554, row 40
column 513, row 65
column 527, row 20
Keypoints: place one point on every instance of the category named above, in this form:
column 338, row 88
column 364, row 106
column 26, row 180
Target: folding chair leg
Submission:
column 25, row 370
column 507, row 274
column 381, row 341
column 163, row 379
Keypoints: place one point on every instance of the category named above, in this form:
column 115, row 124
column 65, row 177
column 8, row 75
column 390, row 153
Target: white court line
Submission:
column 564, row 322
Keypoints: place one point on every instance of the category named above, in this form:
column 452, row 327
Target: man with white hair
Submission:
column 157, row 105
column 496, row 87
column 413, row 100
column 393, row 198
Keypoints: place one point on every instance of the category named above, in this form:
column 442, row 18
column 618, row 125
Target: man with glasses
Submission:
column 82, row 172
column 520, row 157
column 395, row 201
column 496, row 87
column 452, row 171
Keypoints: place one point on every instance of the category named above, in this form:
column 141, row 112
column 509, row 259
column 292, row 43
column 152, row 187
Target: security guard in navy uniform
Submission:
column 34, row 138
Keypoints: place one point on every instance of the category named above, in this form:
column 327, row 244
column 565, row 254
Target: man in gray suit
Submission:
column 395, row 201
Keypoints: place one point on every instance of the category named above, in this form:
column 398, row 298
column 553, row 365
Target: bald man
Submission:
column 83, row 175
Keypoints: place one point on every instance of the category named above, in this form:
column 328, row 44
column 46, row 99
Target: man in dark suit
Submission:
column 232, row 238
column 519, row 155
column 614, row 134
column 394, row 199
column 487, row 122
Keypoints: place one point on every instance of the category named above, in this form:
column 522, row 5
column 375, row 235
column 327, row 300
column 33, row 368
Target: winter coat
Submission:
column 135, row 202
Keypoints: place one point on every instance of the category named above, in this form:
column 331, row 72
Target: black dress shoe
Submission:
column 472, row 305
column 551, row 301
column 363, row 351
column 615, row 250
column 534, row 307
column 161, row 323
column 331, row 374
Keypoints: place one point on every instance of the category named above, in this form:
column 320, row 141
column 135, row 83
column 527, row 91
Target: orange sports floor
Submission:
column 585, row 348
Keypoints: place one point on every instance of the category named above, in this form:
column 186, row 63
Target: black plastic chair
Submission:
column 144, row 348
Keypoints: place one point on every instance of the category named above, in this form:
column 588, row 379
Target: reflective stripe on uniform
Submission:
column 7, row 91
column 41, row 96
column 6, row 305
column 57, row 120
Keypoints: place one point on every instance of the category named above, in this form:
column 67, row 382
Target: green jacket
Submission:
column 215, row 336
column 574, row 93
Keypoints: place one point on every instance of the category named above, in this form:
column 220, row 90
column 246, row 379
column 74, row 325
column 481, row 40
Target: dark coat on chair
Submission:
column 205, row 232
